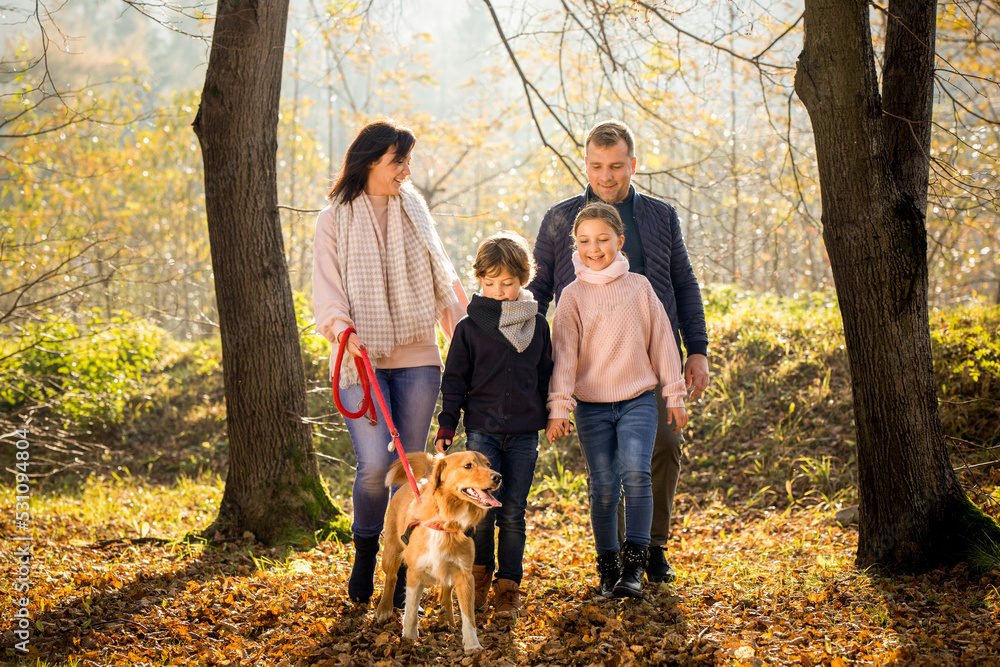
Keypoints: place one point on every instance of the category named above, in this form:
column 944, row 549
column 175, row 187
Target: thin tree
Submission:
column 873, row 152
column 273, row 488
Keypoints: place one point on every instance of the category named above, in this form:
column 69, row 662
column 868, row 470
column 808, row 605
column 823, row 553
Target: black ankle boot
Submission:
column 629, row 585
column 361, row 585
column 610, row 570
column 657, row 568
column 399, row 593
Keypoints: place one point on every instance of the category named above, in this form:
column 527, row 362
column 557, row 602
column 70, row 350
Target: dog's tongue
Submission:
column 486, row 497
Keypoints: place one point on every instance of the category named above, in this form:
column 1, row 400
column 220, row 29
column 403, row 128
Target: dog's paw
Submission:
column 473, row 645
column 383, row 616
column 412, row 636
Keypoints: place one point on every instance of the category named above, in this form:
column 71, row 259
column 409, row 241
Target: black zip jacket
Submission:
column 500, row 390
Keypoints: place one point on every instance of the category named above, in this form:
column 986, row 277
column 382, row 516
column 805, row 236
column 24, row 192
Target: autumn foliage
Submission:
column 765, row 573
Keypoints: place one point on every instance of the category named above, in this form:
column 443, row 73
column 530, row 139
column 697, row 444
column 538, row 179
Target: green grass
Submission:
column 120, row 505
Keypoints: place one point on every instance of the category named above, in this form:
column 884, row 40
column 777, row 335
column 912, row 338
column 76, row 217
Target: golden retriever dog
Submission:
column 454, row 497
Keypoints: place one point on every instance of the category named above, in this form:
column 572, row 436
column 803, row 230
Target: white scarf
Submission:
column 616, row 269
column 395, row 285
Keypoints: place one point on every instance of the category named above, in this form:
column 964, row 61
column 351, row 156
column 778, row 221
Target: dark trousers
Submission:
column 514, row 457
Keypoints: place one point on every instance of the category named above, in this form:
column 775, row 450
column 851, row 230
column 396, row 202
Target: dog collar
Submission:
column 405, row 537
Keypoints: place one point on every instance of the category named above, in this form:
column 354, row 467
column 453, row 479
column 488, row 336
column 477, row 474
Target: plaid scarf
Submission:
column 509, row 322
column 396, row 284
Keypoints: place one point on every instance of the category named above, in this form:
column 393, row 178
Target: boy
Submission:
column 497, row 372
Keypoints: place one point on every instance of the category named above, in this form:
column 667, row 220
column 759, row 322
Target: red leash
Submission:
column 368, row 380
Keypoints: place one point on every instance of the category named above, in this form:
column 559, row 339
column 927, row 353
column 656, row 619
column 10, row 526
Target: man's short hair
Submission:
column 504, row 250
column 608, row 133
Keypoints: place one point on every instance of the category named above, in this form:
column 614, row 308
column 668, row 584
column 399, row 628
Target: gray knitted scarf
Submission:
column 509, row 322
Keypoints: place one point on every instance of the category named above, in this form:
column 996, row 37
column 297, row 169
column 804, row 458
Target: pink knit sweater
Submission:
column 611, row 343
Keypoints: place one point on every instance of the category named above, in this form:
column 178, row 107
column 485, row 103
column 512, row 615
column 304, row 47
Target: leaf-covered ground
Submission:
column 755, row 587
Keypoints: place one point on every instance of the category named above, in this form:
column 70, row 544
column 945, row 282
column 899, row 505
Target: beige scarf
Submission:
column 397, row 284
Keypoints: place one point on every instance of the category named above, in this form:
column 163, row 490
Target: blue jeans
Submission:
column 514, row 457
column 617, row 439
column 411, row 395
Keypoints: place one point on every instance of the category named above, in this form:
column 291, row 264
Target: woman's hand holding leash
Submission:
column 354, row 345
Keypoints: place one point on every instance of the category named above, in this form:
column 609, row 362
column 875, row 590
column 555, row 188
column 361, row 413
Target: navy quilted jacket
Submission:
column 668, row 268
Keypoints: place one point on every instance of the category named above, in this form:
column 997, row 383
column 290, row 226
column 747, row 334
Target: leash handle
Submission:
column 368, row 380
column 366, row 405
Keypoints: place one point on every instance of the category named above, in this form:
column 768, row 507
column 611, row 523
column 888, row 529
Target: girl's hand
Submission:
column 441, row 445
column 353, row 345
column 678, row 416
column 557, row 428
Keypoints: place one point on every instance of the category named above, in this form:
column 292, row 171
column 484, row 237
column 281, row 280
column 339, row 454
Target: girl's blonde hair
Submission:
column 598, row 210
column 504, row 250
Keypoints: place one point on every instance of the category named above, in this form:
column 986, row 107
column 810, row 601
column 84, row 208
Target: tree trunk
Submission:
column 873, row 167
column 273, row 488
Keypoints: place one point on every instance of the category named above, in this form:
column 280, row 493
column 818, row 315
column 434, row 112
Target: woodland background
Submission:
column 110, row 351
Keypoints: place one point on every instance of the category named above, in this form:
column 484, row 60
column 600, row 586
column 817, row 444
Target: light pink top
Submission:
column 611, row 342
column 333, row 309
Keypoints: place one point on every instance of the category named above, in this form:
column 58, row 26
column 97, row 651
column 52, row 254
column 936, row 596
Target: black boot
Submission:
column 633, row 568
column 399, row 593
column 610, row 570
column 658, row 569
column 361, row 585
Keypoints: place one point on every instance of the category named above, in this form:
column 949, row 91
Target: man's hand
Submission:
column 557, row 428
column 678, row 417
column 353, row 345
column 696, row 374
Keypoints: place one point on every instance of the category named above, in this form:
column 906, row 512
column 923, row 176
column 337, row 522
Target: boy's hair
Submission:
column 504, row 250
column 598, row 210
column 608, row 133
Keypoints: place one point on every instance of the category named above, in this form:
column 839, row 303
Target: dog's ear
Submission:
column 439, row 466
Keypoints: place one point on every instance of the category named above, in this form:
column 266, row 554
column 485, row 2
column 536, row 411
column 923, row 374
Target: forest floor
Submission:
column 764, row 574
column 754, row 587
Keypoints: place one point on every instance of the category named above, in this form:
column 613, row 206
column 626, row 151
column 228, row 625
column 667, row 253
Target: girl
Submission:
column 612, row 343
column 498, row 370
column 379, row 266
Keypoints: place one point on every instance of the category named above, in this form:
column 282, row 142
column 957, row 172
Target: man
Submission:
column 655, row 248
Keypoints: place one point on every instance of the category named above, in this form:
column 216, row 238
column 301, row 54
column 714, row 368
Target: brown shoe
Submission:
column 506, row 597
column 483, row 580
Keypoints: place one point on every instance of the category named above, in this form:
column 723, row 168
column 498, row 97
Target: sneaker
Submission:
column 658, row 569
column 506, row 597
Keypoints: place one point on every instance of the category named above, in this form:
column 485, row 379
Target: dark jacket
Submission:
column 668, row 268
column 500, row 390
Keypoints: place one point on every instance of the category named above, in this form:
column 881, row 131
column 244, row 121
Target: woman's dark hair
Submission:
column 373, row 141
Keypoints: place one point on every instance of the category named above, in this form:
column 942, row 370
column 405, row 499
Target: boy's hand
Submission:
column 442, row 441
column 557, row 428
column 678, row 416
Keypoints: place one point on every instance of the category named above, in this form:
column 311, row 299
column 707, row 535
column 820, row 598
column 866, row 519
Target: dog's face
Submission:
column 467, row 476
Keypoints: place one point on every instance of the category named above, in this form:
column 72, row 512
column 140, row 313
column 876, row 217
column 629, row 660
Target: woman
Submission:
column 379, row 266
